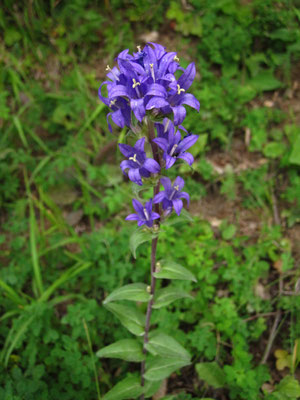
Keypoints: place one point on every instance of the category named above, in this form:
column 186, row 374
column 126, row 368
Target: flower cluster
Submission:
column 142, row 88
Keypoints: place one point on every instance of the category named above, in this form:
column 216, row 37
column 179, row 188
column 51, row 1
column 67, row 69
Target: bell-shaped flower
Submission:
column 172, row 195
column 144, row 214
column 146, row 81
column 138, row 165
column 175, row 148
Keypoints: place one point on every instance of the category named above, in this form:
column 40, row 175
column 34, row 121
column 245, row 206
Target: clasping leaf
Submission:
column 168, row 295
column 125, row 349
column 133, row 291
column 171, row 270
column 131, row 318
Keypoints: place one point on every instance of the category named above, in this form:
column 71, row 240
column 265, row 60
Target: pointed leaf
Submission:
column 151, row 387
column 166, row 346
column 160, row 368
column 211, row 373
column 171, row 270
column 128, row 388
column 167, row 295
column 138, row 237
column 131, row 318
column 133, row 291
column 125, row 349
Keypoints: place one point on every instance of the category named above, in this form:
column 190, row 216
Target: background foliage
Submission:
column 63, row 242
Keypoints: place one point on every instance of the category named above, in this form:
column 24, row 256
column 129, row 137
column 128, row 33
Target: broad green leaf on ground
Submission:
column 211, row 373
column 131, row 318
column 160, row 368
column 165, row 346
column 170, row 270
column 128, row 388
column 138, row 237
column 133, row 291
column 265, row 80
column 167, row 295
column 151, row 387
column 295, row 154
column 125, row 349
column 274, row 149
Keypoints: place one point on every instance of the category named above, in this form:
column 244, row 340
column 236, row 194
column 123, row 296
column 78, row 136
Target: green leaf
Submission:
column 167, row 295
column 289, row 387
column 138, row 237
column 265, row 80
column 125, row 349
column 170, row 270
column 128, row 388
column 228, row 231
column 133, row 291
column 166, row 346
column 160, row 368
column 295, row 155
column 151, row 387
column 131, row 318
column 274, row 149
column 211, row 373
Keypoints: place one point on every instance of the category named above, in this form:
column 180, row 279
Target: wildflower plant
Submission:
column 147, row 92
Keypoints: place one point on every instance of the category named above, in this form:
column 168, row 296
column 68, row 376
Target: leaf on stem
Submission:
column 138, row 237
column 166, row 346
column 128, row 388
column 167, row 295
column 167, row 269
column 160, row 368
column 133, row 291
column 131, row 318
column 125, row 349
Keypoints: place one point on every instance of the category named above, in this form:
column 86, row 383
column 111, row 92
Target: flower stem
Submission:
column 153, row 256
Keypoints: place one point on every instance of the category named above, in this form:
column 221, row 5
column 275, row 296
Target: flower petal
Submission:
column 159, row 197
column 186, row 196
column 138, row 108
column 190, row 100
column 118, row 118
column 156, row 90
column 126, row 150
column 138, row 207
column 155, row 215
column 187, row 157
column 179, row 114
column 119, row 90
column 187, row 142
column 139, row 145
column 102, row 98
column 169, row 161
column 187, row 77
column 132, row 217
column 135, row 176
column 167, row 184
column 151, row 165
column 162, row 143
column 156, row 102
column 126, row 165
column 179, row 182
column 177, row 206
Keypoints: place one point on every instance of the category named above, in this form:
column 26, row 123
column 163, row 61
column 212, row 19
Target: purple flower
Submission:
column 170, row 197
column 174, row 147
column 138, row 164
column 145, row 81
column 144, row 214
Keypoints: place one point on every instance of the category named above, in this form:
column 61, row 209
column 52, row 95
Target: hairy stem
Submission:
column 153, row 255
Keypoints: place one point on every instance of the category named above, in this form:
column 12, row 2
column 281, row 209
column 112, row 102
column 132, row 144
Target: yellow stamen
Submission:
column 139, row 49
column 112, row 103
column 176, row 58
column 133, row 158
column 135, row 83
column 179, row 89
column 107, row 68
column 152, row 72
column 176, row 187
